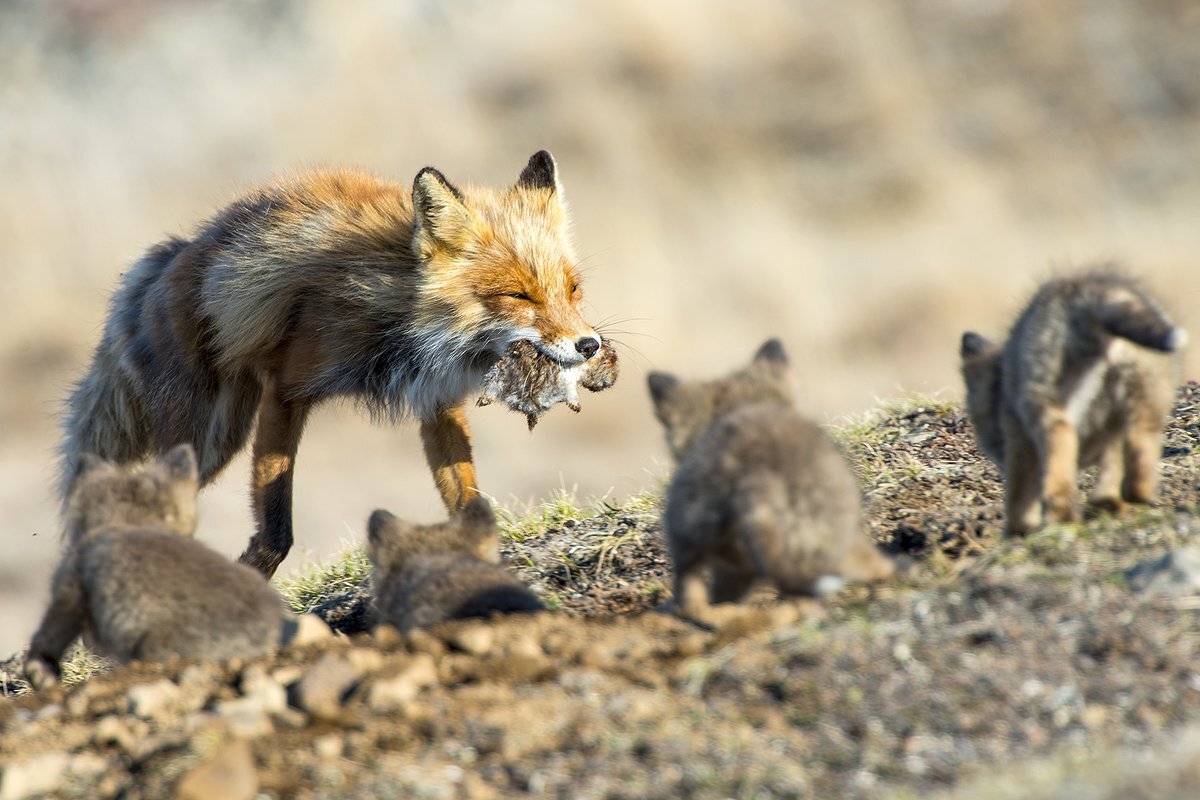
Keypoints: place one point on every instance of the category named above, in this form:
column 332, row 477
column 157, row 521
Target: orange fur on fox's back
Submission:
column 331, row 283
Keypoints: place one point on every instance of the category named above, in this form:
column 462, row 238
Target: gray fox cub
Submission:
column 426, row 574
column 134, row 582
column 1083, row 380
column 759, row 491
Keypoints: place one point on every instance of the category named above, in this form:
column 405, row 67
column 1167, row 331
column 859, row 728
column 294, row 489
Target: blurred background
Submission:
column 863, row 178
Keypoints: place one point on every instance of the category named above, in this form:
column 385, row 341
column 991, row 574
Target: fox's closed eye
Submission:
column 516, row 296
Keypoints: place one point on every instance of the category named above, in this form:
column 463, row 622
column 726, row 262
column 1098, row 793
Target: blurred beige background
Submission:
column 864, row 179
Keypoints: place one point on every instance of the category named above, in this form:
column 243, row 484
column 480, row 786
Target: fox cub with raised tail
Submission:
column 137, row 586
column 331, row 284
column 426, row 574
column 1086, row 378
column 759, row 493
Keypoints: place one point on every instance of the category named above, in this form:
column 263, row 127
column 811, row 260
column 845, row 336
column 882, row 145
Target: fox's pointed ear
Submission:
column 663, row 386
column 180, row 463
column 540, row 173
column 973, row 345
column 771, row 352
column 439, row 215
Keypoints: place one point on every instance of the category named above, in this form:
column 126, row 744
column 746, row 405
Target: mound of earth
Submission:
column 990, row 657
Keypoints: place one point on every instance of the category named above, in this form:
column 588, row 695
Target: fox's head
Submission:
column 391, row 541
column 687, row 408
column 499, row 266
column 982, row 374
column 161, row 496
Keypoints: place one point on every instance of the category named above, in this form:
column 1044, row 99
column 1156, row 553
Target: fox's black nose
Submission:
column 587, row 346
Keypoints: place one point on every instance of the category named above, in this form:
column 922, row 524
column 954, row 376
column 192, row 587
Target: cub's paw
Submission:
column 41, row 674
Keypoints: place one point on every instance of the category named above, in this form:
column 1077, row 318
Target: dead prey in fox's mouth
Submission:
column 531, row 382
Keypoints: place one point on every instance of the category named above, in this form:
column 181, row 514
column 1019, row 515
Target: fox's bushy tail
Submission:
column 107, row 412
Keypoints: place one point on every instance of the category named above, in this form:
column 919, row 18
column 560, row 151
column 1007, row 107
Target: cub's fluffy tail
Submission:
column 106, row 413
column 1126, row 312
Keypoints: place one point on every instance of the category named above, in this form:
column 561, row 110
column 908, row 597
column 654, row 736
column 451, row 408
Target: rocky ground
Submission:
column 995, row 668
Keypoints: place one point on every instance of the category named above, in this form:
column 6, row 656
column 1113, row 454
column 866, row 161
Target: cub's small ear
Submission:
column 439, row 214
column 973, row 345
column 180, row 463
column 478, row 511
column 540, row 173
column 89, row 464
column 380, row 524
column 662, row 386
column 771, row 352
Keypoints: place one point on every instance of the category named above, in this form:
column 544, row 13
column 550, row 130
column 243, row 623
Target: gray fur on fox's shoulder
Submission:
column 759, row 493
column 134, row 581
column 1085, row 378
column 426, row 574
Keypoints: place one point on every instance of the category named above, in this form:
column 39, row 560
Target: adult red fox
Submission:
column 332, row 284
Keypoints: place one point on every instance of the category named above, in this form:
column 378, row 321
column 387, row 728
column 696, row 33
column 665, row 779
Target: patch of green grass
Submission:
column 532, row 519
column 304, row 590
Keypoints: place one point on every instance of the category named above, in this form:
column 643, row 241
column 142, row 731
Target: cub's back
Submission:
column 153, row 594
column 436, row 587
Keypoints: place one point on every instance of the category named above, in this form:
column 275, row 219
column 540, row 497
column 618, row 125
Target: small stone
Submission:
column 86, row 767
column 41, row 775
column 1176, row 573
column 420, row 641
column 245, row 721
column 154, row 700
column 287, row 675
column 364, row 659
column 323, row 686
column 111, row 730
column 474, row 639
column 262, row 691
column 390, row 693
column 305, row 629
column 229, row 774
column 328, row 747
column 386, row 636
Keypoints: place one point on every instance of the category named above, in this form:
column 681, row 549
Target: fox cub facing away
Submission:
column 135, row 583
column 426, row 574
column 759, row 491
column 331, row 284
column 1084, row 379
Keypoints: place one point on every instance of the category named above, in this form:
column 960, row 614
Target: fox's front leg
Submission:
column 280, row 423
column 64, row 620
column 447, row 441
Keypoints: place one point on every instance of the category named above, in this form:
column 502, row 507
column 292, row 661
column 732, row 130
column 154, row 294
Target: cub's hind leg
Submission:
column 1106, row 494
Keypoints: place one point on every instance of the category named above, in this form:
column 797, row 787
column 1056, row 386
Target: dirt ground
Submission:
column 990, row 659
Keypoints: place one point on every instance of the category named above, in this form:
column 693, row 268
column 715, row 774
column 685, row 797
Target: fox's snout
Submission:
column 570, row 351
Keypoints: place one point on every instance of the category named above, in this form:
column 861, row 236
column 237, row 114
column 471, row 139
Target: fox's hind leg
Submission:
column 1106, row 494
column 1143, row 448
column 280, row 423
column 447, row 441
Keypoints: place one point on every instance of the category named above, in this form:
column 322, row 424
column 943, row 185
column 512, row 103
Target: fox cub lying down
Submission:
column 426, row 574
column 1085, row 378
column 137, row 586
column 759, row 492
